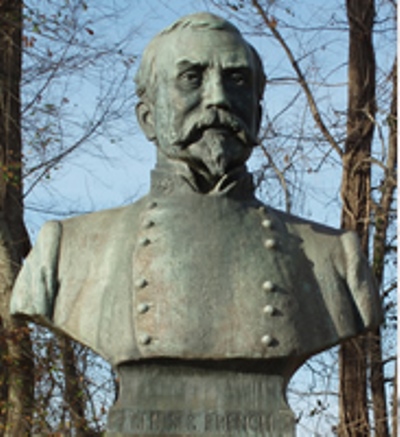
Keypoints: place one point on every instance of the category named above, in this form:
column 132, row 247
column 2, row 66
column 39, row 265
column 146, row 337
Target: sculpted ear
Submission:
column 145, row 116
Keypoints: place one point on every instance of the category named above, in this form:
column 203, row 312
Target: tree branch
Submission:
column 271, row 24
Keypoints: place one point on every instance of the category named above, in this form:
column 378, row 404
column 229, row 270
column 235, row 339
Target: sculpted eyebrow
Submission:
column 185, row 64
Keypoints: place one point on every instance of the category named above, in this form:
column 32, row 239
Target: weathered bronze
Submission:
column 204, row 298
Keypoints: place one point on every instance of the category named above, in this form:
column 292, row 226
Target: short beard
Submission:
column 216, row 153
column 211, row 145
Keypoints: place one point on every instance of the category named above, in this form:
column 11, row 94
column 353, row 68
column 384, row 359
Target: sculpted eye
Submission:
column 238, row 77
column 190, row 78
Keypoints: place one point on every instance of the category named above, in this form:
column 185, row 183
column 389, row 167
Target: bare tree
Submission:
column 356, row 211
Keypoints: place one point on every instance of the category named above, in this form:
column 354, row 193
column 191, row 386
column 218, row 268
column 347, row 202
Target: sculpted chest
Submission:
column 217, row 278
column 197, row 277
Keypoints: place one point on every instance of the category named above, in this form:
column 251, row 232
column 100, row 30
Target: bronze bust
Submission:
column 199, row 269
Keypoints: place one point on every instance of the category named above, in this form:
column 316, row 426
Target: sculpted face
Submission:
column 205, row 111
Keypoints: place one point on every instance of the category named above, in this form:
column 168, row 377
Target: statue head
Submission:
column 200, row 85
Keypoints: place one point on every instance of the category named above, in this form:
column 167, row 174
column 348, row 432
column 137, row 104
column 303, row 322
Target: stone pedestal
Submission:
column 189, row 400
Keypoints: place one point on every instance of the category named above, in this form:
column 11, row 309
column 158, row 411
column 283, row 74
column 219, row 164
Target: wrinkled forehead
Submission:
column 203, row 47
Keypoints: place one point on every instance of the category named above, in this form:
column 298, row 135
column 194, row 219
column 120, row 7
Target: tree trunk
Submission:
column 355, row 189
column 379, row 251
column 16, row 353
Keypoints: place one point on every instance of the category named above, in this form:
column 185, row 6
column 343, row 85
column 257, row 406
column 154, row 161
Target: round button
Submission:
column 268, row 286
column 148, row 224
column 140, row 283
column 145, row 339
column 267, row 340
column 152, row 205
column 144, row 242
column 267, row 223
column 270, row 243
column 143, row 308
column 269, row 310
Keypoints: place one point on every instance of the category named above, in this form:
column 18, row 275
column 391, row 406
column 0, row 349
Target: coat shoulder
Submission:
column 299, row 225
column 105, row 219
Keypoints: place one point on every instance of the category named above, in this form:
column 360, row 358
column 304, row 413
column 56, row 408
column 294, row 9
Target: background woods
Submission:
column 327, row 144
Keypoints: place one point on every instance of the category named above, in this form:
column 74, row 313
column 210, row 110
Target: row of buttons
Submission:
column 141, row 283
column 268, row 286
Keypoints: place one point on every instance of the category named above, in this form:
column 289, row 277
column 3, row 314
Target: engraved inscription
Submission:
column 194, row 422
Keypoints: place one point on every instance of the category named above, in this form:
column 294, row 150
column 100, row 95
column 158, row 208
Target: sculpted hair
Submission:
column 146, row 76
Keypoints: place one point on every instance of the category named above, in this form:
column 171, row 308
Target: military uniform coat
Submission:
column 181, row 274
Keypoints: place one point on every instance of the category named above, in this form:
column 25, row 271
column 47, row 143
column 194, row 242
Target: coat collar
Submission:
column 179, row 179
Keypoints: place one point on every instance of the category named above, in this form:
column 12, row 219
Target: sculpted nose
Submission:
column 215, row 94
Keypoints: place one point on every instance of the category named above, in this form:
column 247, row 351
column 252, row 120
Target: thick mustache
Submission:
column 192, row 131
